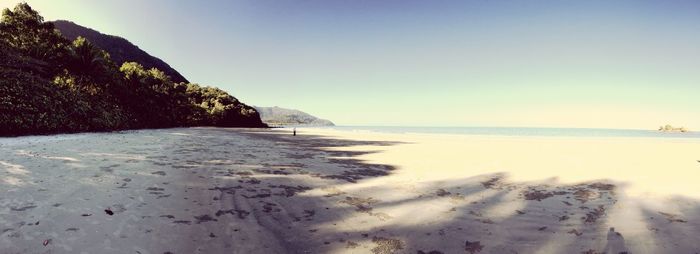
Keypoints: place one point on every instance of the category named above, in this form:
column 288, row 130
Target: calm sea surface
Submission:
column 522, row 131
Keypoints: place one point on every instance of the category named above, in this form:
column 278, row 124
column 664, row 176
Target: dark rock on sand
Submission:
column 473, row 247
column 442, row 193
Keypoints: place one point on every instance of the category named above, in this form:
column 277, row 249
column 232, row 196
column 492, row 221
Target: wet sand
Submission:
column 212, row 190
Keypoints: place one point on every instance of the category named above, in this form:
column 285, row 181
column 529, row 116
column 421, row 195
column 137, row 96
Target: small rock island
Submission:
column 669, row 128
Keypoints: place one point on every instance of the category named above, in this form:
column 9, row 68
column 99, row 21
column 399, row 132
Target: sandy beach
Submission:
column 217, row 190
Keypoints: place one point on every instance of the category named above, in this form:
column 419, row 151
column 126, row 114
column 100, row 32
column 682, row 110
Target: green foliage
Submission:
column 120, row 49
column 153, row 99
column 25, row 31
column 221, row 108
column 31, row 104
column 49, row 85
column 86, row 59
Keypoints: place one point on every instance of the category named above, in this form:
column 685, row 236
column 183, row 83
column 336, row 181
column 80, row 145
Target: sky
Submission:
column 601, row 64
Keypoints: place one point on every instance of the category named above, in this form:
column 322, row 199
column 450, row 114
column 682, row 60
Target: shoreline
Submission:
column 377, row 130
column 265, row 191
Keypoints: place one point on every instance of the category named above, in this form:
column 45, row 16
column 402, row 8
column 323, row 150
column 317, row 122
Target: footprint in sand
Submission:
column 109, row 169
column 332, row 192
column 594, row 215
column 537, row 195
column 116, row 208
column 673, row 217
column 430, row 252
column 382, row 216
column 23, row 208
column 362, row 204
column 309, row 213
column 270, row 207
column 204, row 218
column 242, row 214
column 575, row 232
column 351, row 245
column 473, row 247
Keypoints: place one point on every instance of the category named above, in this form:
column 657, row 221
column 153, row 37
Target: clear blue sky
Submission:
column 618, row 64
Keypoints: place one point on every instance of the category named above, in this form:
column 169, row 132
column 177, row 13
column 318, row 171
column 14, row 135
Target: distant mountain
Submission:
column 276, row 116
column 120, row 50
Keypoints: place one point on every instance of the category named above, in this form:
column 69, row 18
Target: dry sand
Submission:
column 211, row 190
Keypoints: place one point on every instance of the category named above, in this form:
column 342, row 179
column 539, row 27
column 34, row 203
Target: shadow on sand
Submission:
column 488, row 213
column 310, row 194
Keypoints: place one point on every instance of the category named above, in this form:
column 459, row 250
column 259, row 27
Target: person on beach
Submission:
column 294, row 132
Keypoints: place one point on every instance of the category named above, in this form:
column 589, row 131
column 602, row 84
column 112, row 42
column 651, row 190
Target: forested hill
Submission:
column 49, row 84
column 120, row 50
column 276, row 116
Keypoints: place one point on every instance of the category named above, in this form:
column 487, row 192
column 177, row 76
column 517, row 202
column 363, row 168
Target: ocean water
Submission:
column 523, row 131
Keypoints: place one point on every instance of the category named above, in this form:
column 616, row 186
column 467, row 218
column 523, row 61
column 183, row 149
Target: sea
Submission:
column 523, row 131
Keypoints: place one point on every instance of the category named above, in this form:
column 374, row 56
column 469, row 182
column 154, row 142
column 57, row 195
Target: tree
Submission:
column 49, row 85
column 86, row 59
column 155, row 100
column 221, row 108
column 25, row 30
column 88, row 68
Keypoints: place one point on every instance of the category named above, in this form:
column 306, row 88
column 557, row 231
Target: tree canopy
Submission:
column 50, row 85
